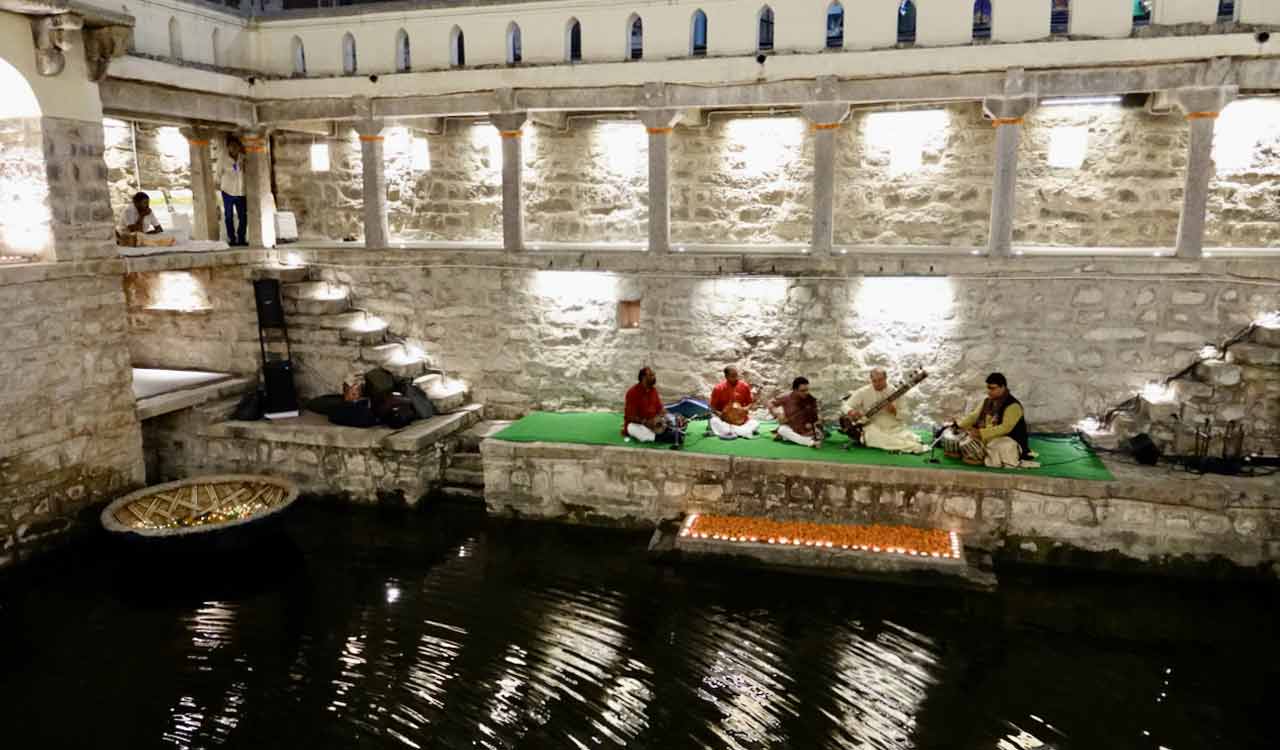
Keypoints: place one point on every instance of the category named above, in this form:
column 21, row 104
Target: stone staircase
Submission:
column 331, row 340
column 464, row 468
column 1236, row 382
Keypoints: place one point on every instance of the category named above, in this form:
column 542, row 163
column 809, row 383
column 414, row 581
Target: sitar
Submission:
column 855, row 428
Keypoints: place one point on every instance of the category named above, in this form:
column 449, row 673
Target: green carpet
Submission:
column 1065, row 457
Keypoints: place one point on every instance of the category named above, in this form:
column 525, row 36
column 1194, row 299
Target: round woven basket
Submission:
column 199, row 505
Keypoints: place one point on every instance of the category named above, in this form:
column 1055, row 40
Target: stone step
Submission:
column 365, row 335
column 304, row 336
column 318, row 306
column 428, row 431
column 470, row 440
column 464, row 477
column 1187, row 390
column 1265, row 335
column 462, row 494
column 1254, row 354
column 446, row 394
column 284, row 274
column 339, row 321
column 467, row 461
column 1158, row 411
column 312, row 290
column 1217, row 372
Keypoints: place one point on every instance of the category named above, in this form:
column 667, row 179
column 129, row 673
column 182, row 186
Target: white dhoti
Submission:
column 897, row 437
column 728, row 431
column 640, row 432
column 1003, row 453
column 792, row 436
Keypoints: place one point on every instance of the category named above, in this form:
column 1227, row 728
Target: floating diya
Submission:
column 885, row 539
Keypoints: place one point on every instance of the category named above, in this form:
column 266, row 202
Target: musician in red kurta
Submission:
column 645, row 418
column 729, row 403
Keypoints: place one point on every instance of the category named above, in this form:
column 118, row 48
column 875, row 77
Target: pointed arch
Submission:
column 635, row 37
column 1059, row 16
column 698, row 34
column 515, row 51
column 1227, row 11
column 573, row 41
column 404, row 62
column 907, row 23
column 299, row 57
column 1142, row 12
column 835, row 25
column 981, row 19
column 175, row 39
column 215, row 43
column 349, row 62
column 457, row 48
column 764, row 30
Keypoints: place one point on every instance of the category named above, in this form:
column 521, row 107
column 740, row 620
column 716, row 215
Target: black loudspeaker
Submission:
column 1144, row 449
column 266, row 293
column 281, row 396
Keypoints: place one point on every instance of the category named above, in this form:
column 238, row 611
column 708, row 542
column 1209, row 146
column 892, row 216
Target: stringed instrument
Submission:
column 855, row 428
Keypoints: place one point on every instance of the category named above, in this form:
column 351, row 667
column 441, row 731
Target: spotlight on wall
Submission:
column 904, row 135
column 420, row 158
column 253, row 80
column 373, row 78
column 1068, row 146
column 1263, row 37
column 319, row 157
column 760, row 58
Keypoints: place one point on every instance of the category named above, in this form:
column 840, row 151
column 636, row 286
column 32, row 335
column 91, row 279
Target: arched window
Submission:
column 907, row 22
column 299, row 58
column 457, row 48
column 514, row 53
column 573, row 41
column 764, row 32
column 348, row 54
column 635, row 38
column 1142, row 12
column 698, row 34
column 835, row 25
column 1060, row 16
column 215, row 43
column 1226, row 11
column 175, row 40
column 981, row 19
column 403, row 61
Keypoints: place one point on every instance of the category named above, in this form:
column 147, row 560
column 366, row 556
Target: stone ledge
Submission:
column 431, row 430
column 188, row 261
column 165, row 403
column 31, row 273
column 316, row 430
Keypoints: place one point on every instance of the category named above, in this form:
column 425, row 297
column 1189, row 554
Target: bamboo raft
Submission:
column 198, row 506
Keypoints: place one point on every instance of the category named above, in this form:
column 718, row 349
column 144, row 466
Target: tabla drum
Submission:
column 972, row 451
column 951, row 439
column 735, row 414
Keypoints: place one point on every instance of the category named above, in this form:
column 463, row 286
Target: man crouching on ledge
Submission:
column 646, row 419
column 797, row 415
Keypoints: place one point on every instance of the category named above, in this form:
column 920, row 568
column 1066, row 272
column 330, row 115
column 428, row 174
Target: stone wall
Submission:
column 945, row 202
column 1075, row 337
column 1127, row 193
column 195, row 319
column 1244, row 192
column 163, row 160
column 586, row 183
column 70, row 434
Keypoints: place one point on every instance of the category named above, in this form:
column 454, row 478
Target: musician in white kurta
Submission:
column 887, row 430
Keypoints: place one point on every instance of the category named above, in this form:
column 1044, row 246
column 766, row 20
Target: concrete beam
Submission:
column 119, row 96
column 553, row 120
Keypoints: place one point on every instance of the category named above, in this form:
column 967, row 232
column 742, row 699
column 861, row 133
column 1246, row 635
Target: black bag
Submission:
column 326, row 404
column 421, row 404
column 378, row 384
column 250, row 407
column 358, row 413
column 396, row 411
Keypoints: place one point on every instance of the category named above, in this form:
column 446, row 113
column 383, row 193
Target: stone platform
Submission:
column 1148, row 516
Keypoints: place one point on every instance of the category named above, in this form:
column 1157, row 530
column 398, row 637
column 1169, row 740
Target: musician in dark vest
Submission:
column 1001, row 426
column 886, row 428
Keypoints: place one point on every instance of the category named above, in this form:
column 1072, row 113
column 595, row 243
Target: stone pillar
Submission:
column 659, row 124
column 508, row 125
column 377, row 234
column 1201, row 107
column 826, row 118
column 1006, row 116
column 205, row 197
column 257, row 190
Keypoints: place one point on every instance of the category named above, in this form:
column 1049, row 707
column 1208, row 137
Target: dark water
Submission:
column 444, row 631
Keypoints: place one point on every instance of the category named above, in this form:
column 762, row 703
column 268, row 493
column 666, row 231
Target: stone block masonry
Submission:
column 79, row 203
column 70, row 436
column 162, row 162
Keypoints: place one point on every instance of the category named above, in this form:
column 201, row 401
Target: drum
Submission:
column 972, row 451
column 951, row 439
column 735, row 414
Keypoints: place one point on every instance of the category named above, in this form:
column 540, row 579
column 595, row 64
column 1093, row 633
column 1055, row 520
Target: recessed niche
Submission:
column 629, row 314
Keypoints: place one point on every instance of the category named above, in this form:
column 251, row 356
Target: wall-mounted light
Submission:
column 319, row 157
column 1068, row 146
column 420, row 158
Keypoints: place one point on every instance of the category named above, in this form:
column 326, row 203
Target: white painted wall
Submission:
column 1019, row 20
column 1101, row 18
column 943, row 22
column 873, row 25
column 69, row 94
column 1259, row 11
column 195, row 27
column 1185, row 11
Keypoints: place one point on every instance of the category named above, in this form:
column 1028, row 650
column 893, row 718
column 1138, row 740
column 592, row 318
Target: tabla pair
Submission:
column 956, row 443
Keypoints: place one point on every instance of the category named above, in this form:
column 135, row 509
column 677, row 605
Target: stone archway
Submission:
column 26, row 234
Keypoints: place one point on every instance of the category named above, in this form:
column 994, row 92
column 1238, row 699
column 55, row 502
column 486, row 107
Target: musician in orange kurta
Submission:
column 887, row 430
column 729, row 403
column 644, row 418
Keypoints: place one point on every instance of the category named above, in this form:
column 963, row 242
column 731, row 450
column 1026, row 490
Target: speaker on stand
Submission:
column 281, row 398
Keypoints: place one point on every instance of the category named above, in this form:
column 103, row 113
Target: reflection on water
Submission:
column 436, row 632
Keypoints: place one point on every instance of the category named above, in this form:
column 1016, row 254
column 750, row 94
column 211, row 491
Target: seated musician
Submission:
column 1001, row 426
column 139, row 217
column 729, row 403
column 887, row 429
column 644, row 416
column 797, row 415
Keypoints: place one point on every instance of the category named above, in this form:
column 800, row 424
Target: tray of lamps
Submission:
column 934, row 544
column 200, row 505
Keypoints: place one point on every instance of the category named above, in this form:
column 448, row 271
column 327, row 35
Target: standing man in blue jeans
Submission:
column 231, row 182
